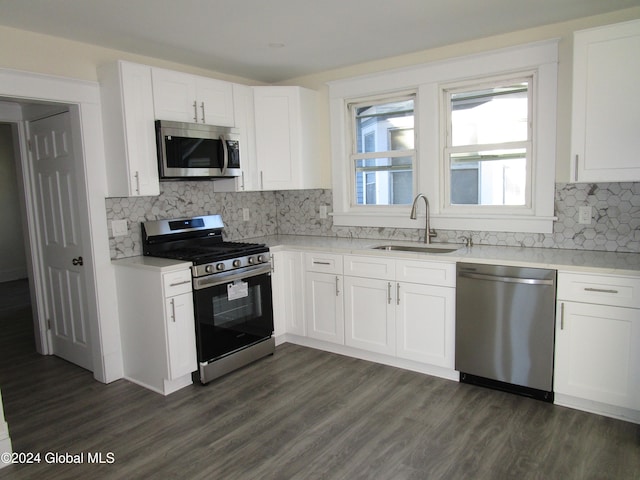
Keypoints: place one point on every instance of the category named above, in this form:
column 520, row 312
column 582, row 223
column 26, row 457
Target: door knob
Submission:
column 77, row 261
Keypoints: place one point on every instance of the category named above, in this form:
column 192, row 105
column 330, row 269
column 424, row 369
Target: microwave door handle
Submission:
column 225, row 154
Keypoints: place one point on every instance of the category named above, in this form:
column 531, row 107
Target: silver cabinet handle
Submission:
column 179, row 283
column 397, row 294
column 315, row 262
column 261, row 181
column 496, row 278
column 562, row 316
column 600, row 290
column 195, row 111
column 389, row 293
column 242, row 184
column 337, row 286
column 575, row 170
column 173, row 310
column 202, row 107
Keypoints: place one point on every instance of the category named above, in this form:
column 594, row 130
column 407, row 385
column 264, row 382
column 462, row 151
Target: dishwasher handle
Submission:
column 498, row 278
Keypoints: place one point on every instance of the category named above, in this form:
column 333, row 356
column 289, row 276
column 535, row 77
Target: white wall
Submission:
column 562, row 31
column 45, row 54
column 33, row 52
column 13, row 263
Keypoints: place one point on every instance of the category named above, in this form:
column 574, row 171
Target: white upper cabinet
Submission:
column 606, row 111
column 129, row 133
column 189, row 98
column 245, row 123
column 287, row 139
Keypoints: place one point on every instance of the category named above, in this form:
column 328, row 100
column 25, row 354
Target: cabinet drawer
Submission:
column 323, row 263
column 370, row 267
column 599, row 289
column 430, row 273
column 176, row 283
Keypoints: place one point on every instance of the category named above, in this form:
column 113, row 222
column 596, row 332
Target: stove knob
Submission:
column 261, row 259
column 250, row 260
column 220, row 266
column 208, row 269
column 236, row 263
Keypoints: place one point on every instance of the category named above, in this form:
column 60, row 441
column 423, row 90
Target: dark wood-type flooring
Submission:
column 300, row 414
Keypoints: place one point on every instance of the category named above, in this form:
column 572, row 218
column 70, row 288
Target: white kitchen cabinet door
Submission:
column 287, row 283
column 370, row 314
column 323, row 309
column 597, row 353
column 245, row 123
column 215, row 102
column 181, row 97
column 287, row 139
column 181, row 337
column 129, row 132
column 174, row 96
column 425, row 321
column 606, row 113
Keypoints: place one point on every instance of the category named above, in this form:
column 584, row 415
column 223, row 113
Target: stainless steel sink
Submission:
column 420, row 249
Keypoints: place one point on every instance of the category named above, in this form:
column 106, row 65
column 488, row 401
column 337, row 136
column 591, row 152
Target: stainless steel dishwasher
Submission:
column 505, row 318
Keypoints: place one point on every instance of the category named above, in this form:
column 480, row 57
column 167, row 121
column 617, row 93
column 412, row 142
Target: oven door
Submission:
column 232, row 312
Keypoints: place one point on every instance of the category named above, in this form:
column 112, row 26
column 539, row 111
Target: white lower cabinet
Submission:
column 412, row 321
column 181, row 341
column 287, row 287
column 324, row 313
column 369, row 315
column 597, row 354
column 597, row 351
column 323, row 297
column 425, row 323
column 157, row 329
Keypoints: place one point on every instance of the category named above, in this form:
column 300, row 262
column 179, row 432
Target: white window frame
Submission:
column 446, row 123
column 540, row 58
column 352, row 107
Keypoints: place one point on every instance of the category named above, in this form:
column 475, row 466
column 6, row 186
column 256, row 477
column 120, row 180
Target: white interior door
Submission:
column 54, row 170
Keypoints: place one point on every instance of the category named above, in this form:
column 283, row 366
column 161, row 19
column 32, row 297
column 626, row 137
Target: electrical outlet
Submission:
column 584, row 215
column 323, row 211
column 119, row 228
column 245, row 214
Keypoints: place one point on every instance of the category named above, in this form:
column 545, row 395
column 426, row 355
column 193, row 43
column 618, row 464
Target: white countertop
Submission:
column 162, row 265
column 587, row 261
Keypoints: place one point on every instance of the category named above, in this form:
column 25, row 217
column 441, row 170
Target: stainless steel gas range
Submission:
column 231, row 290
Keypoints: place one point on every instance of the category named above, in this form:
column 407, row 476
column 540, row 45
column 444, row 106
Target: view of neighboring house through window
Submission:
column 488, row 145
column 383, row 154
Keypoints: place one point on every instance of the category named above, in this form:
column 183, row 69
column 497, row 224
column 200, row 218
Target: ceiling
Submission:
column 275, row 40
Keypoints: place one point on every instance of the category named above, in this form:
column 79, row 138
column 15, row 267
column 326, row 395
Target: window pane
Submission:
column 489, row 178
column 492, row 115
column 384, row 181
column 385, row 127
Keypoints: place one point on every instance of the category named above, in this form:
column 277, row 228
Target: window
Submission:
column 482, row 149
column 383, row 152
column 488, row 144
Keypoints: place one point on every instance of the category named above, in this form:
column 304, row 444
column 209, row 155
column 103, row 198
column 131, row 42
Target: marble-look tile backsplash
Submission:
column 615, row 227
column 191, row 198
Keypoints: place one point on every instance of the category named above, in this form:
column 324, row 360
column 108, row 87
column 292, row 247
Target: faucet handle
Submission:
column 468, row 241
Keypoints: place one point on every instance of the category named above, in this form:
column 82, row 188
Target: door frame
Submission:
column 83, row 100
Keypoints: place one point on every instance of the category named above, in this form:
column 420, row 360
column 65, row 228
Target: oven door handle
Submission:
column 222, row 278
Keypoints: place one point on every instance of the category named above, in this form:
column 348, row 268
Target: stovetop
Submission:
column 217, row 251
column 199, row 240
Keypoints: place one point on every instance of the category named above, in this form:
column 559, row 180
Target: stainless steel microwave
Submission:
column 193, row 150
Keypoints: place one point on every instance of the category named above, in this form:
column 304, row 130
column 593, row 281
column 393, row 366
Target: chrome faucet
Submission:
column 428, row 232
